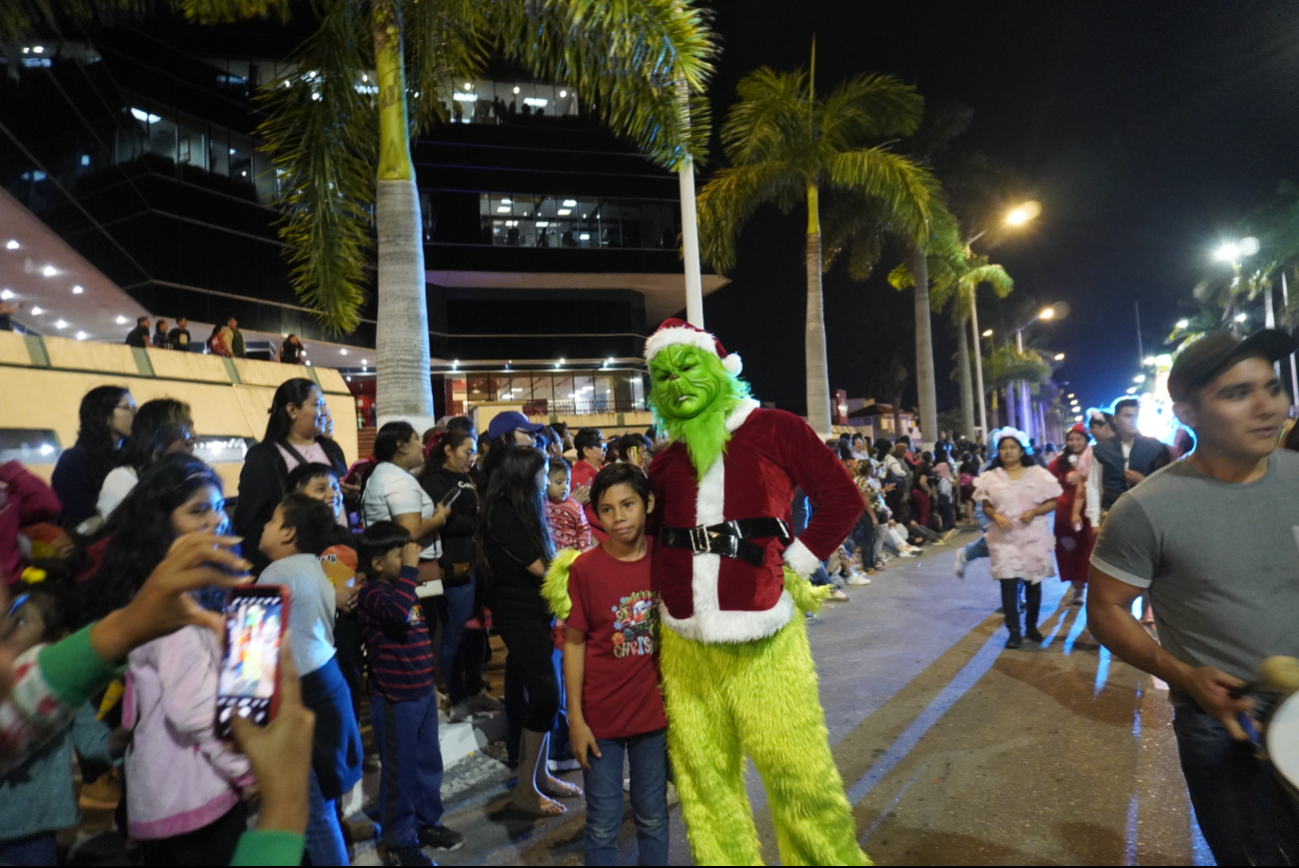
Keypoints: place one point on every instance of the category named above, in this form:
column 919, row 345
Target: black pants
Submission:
column 530, row 661
column 214, row 844
column 1010, row 603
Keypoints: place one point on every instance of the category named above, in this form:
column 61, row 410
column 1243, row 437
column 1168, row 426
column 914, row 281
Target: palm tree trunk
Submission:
column 924, row 350
column 818, row 378
column 963, row 375
column 401, row 340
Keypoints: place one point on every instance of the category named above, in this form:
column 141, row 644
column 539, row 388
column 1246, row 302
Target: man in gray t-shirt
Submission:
column 1215, row 540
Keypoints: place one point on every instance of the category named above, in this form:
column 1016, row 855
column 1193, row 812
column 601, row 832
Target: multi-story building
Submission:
column 551, row 246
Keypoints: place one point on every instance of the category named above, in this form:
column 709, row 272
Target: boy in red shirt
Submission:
column 611, row 673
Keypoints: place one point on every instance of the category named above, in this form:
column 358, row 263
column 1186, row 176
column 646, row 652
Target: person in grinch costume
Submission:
column 738, row 677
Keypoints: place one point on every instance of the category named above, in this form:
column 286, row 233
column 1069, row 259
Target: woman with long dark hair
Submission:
column 163, row 426
column 514, row 548
column 295, row 434
column 1073, row 529
column 105, row 421
column 460, row 655
column 1016, row 494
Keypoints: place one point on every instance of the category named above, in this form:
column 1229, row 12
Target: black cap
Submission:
column 587, row 437
column 1214, row 353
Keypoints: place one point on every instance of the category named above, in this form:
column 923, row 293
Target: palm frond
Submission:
column 905, row 187
column 627, row 59
column 444, row 40
column 771, row 121
column 865, row 109
column 231, row 11
column 729, row 199
column 20, row 18
column 321, row 135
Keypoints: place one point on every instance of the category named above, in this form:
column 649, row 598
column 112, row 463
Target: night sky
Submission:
column 1147, row 129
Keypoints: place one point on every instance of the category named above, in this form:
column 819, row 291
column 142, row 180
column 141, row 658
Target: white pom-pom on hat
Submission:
column 676, row 331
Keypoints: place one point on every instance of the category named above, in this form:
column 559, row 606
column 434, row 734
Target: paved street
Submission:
column 953, row 750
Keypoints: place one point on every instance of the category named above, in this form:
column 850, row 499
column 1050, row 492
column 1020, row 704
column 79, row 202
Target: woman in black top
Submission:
column 446, row 474
column 514, row 548
column 296, row 429
column 291, row 351
column 106, row 415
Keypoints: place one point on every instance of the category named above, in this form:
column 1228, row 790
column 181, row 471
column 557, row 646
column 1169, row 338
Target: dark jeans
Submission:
column 461, row 651
column 1010, row 603
column 648, row 756
column 410, row 782
column 1246, row 815
column 214, row 844
column 38, row 849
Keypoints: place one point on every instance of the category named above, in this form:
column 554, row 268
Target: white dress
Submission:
column 1026, row 551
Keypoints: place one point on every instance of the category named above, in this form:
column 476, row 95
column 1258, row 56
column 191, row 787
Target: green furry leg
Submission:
column 756, row 698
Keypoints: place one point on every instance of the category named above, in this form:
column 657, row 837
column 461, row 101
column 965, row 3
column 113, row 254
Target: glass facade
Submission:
column 513, row 220
column 550, row 393
column 483, row 101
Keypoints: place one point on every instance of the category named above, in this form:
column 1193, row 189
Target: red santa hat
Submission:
column 677, row 331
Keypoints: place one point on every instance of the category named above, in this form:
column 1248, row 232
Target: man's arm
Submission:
column 1110, row 619
column 1094, row 496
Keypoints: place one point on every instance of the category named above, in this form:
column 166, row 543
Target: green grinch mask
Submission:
column 691, row 396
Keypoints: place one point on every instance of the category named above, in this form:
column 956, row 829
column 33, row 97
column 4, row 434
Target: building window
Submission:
column 579, row 222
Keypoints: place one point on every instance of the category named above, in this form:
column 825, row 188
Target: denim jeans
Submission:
column 1245, row 814
column 38, row 849
column 324, row 836
column 820, row 577
column 410, row 782
column 648, row 757
column 461, row 654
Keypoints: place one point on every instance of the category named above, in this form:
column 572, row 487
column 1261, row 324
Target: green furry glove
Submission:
column 806, row 596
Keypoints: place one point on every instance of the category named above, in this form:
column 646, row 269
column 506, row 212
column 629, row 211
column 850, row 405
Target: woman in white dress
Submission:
column 1017, row 494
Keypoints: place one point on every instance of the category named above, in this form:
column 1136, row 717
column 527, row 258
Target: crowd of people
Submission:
column 226, row 339
column 401, row 565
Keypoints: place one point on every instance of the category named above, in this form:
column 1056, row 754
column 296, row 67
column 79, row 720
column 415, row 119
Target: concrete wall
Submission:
column 42, row 381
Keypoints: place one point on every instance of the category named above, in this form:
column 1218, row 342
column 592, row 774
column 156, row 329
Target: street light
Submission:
column 1022, row 214
column 1047, row 313
column 1132, row 390
column 1139, row 378
column 1059, row 357
column 1183, row 323
column 987, row 333
column 1240, row 317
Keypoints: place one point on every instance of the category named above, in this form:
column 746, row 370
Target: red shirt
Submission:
column 568, row 527
column 614, row 606
column 583, row 474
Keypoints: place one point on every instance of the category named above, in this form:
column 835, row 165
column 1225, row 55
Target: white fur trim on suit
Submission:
column 733, row 364
column 710, row 623
column 800, row 559
column 655, row 343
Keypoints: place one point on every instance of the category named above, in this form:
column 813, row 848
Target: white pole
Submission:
column 690, row 245
column 978, row 368
column 1294, row 375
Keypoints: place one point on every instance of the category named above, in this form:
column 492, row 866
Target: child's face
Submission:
column 277, row 540
column 26, row 628
column 622, row 513
column 326, row 490
column 557, row 486
column 388, row 567
column 204, row 512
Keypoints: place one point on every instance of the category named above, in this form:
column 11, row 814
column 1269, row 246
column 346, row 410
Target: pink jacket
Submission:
column 24, row 500
column 179, row 776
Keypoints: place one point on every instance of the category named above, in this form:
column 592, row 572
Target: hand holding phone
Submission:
column 451, row 496
column 248, row 683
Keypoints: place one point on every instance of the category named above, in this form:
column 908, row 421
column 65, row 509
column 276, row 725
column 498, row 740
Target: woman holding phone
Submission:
column 393, row 494
column 461, row 651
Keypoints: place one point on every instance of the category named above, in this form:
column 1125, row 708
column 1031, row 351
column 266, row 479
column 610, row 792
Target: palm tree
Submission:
column 339, row 143
column 786, row 143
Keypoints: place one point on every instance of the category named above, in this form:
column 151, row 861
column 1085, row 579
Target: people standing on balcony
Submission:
column 462, row 650
column 139, row 336
column 292, row 351
column 179, row 336
column 218, row 343
column 589, row 444
column 7, row 310
column 295, row 434
column 236, row 340
column 163, row 426
column 106, row 415
column 161, row 339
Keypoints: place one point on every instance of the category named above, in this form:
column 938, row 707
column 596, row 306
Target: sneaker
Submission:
column 858, row 579
column 462, row 712
column 1015, row 641
column 563, row 765
column 1033, row 635
column 483, row 703
column 837, row 596
column 961, row 562
column 440, row 838
column 949, row 534
column 404, row 856
column 1078, row 598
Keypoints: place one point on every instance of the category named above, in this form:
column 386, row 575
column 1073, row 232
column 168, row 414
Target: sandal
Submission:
column 561, row 789
column 546, row 808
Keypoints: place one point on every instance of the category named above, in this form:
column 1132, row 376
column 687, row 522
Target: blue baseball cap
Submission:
column 511, row 420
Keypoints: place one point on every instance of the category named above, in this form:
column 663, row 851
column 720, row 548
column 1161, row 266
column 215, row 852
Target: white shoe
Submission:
column 858, row 579
column 961, row 561
column 462, row 712
column 481, row 702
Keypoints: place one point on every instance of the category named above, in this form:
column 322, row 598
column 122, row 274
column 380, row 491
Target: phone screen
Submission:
column 250, row 666
column 451, row 496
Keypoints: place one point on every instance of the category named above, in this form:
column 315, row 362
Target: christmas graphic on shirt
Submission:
column 635, row 625
column 339, row 564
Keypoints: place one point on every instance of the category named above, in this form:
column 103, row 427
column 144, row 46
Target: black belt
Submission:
column 730, row 538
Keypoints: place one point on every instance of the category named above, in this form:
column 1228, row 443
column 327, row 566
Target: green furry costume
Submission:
column 738, row 676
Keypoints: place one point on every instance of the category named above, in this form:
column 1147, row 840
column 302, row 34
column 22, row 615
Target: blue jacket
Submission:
column 1147, row 456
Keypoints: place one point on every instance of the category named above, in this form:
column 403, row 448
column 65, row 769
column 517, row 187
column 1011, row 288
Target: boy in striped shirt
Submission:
column 403, row 703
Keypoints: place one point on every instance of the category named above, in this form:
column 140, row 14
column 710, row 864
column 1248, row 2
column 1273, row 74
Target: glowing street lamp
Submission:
column 987, row 333
column 1139, row 378
column 1183, row 323
column 1059, row 357
column 1020, row 215
column 1148, row 360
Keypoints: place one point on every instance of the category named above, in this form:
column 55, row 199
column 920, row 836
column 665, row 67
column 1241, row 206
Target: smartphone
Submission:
column 450, row 497
column 249, row 681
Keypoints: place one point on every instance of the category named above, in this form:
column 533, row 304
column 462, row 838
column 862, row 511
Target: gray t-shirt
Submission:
column 311, row 608
column 1221, row 561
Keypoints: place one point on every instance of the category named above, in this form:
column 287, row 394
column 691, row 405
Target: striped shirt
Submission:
column 396, row 638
